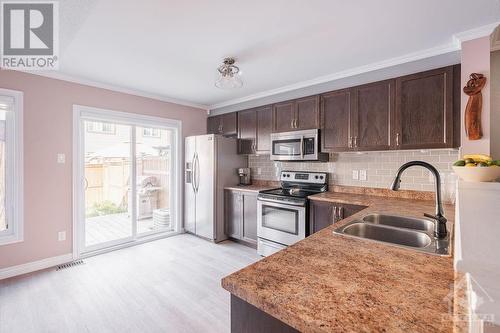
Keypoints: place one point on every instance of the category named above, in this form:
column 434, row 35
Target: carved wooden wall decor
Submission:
column 474, row 105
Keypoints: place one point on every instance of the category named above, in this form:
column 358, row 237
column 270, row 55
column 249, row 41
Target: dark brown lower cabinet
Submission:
column 247, row 318
column 322, row 214
column 241, row 216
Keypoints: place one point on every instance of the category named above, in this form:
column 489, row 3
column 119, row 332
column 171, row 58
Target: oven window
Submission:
column 281, row 219
column 289, row 147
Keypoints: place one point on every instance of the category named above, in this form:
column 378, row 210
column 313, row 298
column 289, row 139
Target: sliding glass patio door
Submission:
column 127, row 179
column 108, row 173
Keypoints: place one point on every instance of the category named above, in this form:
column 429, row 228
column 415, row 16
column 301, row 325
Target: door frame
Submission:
column 80, row 113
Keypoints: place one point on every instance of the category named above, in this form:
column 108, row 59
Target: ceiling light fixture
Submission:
column 229, row 75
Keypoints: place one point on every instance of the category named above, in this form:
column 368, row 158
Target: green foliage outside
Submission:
column 105, row 208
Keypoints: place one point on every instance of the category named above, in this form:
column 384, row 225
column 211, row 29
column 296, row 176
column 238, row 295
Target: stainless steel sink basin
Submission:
column 401, row 222
column 408, row 232
column 387, row 234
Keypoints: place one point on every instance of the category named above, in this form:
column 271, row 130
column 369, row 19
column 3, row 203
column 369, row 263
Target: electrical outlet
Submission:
column 61, row 158
column 61, row 236
column 355, row 174
column 362, row 175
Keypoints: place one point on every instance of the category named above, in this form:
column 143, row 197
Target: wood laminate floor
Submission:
column 169, row 285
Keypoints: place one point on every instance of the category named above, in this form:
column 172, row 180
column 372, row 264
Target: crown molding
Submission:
column 455, row 45
column 415, row 56
column 78, row 80
column 478, row 32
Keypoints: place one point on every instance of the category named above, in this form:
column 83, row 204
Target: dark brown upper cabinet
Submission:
column 336, row 113
column 418, row 111
column 254, row 130
column 264, row 129
column 300, row 114
column 424, row 110
column 247, row 131
column 225, row 124
column 214, row 124
column 372, row 115
column 284, row 117
column 307, row 113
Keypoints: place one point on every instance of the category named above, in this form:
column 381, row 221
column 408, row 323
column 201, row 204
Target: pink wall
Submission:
column 48, row 113
column 476, row 59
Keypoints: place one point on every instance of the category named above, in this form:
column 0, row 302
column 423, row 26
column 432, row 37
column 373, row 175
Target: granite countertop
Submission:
column 329, row 282
column 249, row 188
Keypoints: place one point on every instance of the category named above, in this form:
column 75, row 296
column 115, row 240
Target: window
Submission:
column 11, row 228
column 98, row 127
column 149, row 132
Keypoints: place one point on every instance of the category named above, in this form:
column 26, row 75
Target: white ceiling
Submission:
column 172, row 48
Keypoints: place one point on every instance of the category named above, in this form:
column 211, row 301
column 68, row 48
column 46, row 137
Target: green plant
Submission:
column 105, row 208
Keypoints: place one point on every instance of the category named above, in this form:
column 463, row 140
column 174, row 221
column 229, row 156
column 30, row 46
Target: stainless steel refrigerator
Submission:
column 211, row 163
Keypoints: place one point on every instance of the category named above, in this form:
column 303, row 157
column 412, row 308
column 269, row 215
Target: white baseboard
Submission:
column 35, row 266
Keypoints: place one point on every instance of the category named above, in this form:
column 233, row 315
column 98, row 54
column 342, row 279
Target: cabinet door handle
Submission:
column 397, row 139
column 334, row 214
column 349, row 142
column 341, row 213
column 291, row 123
column 296, row 123
column 355, row 142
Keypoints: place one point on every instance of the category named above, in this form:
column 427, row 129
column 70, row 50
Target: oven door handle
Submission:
column 281, row 204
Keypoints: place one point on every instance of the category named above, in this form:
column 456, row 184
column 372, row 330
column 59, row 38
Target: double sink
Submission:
column 403, row 231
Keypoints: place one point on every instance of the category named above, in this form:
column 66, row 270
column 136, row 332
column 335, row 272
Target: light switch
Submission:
column 355, row 174
column 61, row 158
column 362, row 175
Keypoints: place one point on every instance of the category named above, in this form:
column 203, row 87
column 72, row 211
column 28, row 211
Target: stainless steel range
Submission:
column 282, row 214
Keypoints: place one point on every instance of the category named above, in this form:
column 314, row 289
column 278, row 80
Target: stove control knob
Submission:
column 316, row 176
column 321, row 177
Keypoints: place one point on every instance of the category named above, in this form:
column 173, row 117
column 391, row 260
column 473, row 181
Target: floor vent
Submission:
column 70, row 264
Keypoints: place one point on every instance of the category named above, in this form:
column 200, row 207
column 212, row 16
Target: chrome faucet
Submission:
column 440, row 231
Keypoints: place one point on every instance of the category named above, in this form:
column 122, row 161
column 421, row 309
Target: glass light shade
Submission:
column 229, row 82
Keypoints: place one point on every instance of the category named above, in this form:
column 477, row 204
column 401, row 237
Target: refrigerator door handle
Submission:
column 197, row 173
column 193, row 173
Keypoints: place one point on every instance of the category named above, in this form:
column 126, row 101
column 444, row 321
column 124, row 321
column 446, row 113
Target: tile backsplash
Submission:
column 381, row 167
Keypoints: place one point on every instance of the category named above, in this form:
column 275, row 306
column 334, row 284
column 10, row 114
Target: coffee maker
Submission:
column 244, row 174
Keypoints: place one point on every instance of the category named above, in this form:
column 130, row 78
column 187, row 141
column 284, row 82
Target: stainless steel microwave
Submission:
column 297, row 146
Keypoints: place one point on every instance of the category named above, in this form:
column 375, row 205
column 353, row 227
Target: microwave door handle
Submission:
column 302, row 147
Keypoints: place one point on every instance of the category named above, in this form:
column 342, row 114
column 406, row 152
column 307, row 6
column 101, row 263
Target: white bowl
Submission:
column 478, row 174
